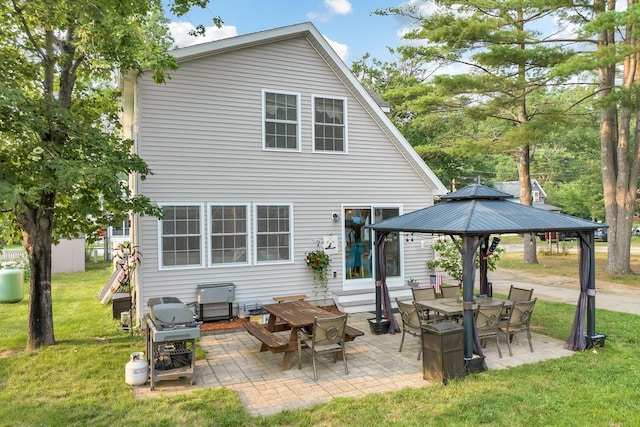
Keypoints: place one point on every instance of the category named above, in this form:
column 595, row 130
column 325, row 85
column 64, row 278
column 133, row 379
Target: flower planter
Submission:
column 379, row 328
column 321, row 302
column 596, row 341
column 475, row 364
column 121, row 302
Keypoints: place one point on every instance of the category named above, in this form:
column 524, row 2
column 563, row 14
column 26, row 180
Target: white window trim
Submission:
column 249, row 236
column 313, row 125
column 298, row 118
column 535, row 195
column 254, row 233
column 202, row 238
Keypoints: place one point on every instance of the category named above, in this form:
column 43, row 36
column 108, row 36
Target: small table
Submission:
column 298, row 315
column 451, row 307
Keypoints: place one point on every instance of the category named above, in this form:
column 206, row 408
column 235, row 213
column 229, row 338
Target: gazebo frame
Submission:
column 474, row 213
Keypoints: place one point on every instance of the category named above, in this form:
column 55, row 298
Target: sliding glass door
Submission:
column 359, row 261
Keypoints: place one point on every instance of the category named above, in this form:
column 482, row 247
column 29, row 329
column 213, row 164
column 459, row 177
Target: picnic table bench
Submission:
column 271, row 341
column 298, row 315
column 287, row 298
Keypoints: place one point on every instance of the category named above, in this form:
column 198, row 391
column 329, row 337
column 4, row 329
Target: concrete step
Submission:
column 359, row 301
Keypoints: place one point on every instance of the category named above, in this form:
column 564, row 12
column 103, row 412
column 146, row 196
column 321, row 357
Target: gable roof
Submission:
column 513, row 187
column 311, row 33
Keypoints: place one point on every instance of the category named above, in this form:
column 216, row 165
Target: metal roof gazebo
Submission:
column 474, row 213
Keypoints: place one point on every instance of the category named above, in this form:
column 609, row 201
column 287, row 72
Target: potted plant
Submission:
column 449, row 259
column 127, row 258
column 319, row 262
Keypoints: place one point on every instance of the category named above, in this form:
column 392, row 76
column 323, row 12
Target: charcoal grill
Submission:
column 171, row 340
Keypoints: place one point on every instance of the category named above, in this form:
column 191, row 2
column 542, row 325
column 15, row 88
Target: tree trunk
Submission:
column 524, row 178
column 36, row 224
column 620, row 156
column 524, row 152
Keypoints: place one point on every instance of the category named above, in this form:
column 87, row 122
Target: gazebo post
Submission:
column 468, row 248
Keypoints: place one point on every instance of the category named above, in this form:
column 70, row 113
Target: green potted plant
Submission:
column 448, row 258
column 319, row 262
column 127, row 258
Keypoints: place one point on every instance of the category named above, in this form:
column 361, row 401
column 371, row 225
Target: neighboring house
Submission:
column 264, row 147
column 120, row 234
column 537, row 193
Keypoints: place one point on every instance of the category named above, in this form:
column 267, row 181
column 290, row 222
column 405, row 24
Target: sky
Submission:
column 349, row 26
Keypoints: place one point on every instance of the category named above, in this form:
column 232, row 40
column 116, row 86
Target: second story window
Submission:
column 281, row 112
column 329, row 124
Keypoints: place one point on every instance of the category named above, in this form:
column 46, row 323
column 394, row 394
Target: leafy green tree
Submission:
column 449, row 257
column 506, row 62
column 612, row 31
column 63, row 163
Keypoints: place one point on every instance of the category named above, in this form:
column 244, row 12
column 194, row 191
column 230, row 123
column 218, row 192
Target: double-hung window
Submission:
column 281, row 112
column 181, row 236
column 124, row 230
column 273, row 232
column 228, row 234
column 329, row 124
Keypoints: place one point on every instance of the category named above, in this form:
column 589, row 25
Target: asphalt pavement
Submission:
column 609, row 296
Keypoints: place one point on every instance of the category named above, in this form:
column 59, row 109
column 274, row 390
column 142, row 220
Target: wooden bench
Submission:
column 269, row 340
column 352, row 333
column 289, row 298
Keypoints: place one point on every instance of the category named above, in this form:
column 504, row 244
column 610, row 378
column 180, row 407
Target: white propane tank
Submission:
column 137, row 369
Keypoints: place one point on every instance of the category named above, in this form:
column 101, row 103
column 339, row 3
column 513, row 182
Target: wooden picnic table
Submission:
column 298, row 315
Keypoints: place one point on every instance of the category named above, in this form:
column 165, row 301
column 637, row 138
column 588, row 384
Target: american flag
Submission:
column 436, row 281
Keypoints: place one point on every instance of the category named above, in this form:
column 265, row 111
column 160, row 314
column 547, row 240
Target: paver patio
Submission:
column 233, row 360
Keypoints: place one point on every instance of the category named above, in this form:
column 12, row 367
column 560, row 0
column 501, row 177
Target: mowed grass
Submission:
column 559, row 262
column 80, row 381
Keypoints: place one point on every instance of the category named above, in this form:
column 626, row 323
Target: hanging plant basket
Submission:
column 319, row 262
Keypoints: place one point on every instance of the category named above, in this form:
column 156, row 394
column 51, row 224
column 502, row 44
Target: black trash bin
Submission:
column 443, row 351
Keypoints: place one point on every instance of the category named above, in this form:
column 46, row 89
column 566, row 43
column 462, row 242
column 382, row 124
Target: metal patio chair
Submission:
column 327, row 336
column 410, row 322
column 518, row 322
column 423, row 294
column 487, row 319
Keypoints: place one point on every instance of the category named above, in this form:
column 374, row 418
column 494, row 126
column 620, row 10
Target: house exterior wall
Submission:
column 201, row 135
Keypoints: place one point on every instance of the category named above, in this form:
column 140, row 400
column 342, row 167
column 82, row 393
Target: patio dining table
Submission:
column 452, row 307
column 298, row 315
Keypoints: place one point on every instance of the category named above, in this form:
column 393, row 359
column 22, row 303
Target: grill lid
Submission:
column 165, row 311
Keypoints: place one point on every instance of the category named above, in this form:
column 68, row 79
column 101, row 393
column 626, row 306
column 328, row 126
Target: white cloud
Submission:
column 335, row 7
column 341, row 49
column 338, row 7
column 180, row 33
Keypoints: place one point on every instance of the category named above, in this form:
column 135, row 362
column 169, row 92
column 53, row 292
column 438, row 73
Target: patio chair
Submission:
column 423, row 294
column 327, row 336
column 487, row 319
column 518, row 321
column 450, row 291
column 517, row 294
column 520, row 294
column 410, row 323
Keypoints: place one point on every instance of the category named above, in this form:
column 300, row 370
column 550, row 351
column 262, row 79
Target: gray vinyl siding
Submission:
column 201, row 135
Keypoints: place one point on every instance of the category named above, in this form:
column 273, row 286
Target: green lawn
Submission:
column 80, row 381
